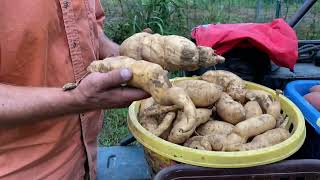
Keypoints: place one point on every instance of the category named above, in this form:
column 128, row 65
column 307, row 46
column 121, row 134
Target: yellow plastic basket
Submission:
column 168, row 153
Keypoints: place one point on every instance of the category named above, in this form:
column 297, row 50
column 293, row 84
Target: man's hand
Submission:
column 104, row 90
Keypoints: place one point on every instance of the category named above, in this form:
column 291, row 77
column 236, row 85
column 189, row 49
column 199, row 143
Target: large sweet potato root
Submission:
column 172, row 52
column 154, row 80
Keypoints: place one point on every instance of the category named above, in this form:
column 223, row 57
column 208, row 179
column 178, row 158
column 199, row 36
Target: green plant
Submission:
column 159, row 15
column 114, row 127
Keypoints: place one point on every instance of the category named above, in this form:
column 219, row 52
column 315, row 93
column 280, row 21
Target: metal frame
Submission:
column 301, row 12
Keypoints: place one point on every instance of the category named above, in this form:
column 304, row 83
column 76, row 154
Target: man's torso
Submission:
column 47, row 44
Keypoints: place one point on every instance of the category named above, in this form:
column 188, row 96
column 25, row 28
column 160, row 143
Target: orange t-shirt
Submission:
column 47, row 43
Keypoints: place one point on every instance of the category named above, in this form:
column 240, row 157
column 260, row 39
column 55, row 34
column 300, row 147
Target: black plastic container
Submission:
column 303, row 169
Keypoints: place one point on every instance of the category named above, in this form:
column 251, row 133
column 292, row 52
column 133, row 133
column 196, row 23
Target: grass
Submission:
column 125, row 17
column 114, row 127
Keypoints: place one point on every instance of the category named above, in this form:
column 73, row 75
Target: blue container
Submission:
column 122, row 163
column 295, row 91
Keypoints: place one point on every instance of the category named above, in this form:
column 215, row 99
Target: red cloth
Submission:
column 276, row 38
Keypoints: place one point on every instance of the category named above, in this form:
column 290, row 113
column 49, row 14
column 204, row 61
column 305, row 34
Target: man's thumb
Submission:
column 115, row 78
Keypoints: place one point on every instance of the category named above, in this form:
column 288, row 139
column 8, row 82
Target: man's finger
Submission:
column 129, row 94
column 111, row 79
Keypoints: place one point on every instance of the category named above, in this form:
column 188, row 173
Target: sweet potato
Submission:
column 314, row 99
column 266, row 139
column 283, row 124
column 154, row 80
column 231, row 83
column 149, row 123
column 197, row 145
column 274, row 108
column 215, row 127
column 145, row 104
column 172, row 52
column 252, row 109
column 202, row 93
column 219, row 141
column 165, row 124
column 156, row 124
column 229, row 110
column 255, row 126
column 158, row 109
column 208, row 142
column 280, row 119
column 264, row 99
column 315, row 88
column 194, row 142
column 205, row 142
column 166, row 133
column 177, row 135
column 192, row 139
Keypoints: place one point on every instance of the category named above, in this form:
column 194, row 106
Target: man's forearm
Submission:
column 27, row 104
column 23, row 105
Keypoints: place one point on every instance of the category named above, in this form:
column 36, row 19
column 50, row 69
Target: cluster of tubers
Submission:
column 221, row 123
column 215, row 112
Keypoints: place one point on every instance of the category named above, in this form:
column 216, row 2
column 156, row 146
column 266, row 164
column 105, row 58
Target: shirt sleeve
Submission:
column 100, row 15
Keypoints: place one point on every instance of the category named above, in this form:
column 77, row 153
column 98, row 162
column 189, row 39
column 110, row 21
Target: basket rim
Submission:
column 219, row 159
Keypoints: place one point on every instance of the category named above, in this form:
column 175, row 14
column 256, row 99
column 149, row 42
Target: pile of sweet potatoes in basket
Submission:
column 215, row 112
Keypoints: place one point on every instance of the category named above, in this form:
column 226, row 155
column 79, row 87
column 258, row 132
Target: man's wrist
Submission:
column 77, row 100
column 107, row 48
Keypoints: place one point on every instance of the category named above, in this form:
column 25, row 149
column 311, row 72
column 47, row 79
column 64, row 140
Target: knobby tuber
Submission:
column 252, row 109
column 215, row 127
column 149, row 123
column 192, row 139
column 255, row 126
column 172, row 52
column 156, row 124
column 274, row 108
column 165, row 124
column 158, row 109
column 177, row 135
column 202, row 93
column 231, row 83
column 229, row 110
column 263, row 98
column 154, row 80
